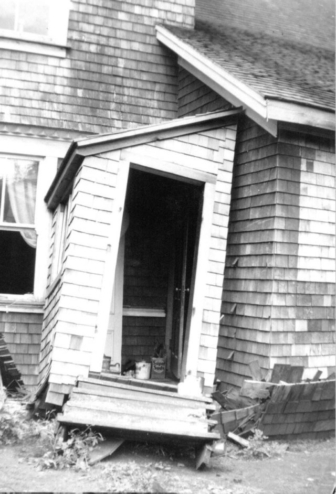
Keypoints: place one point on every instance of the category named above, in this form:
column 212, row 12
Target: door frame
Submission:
column 197, row 295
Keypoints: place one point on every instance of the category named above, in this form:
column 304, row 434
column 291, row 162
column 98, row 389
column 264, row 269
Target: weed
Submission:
column 73, row 453
column 259, row 447
column 15, row 427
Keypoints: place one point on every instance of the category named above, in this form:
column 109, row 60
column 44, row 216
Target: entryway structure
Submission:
column 138, row 250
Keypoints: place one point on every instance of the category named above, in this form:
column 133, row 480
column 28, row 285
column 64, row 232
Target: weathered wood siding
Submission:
column 115, row 73
column 89, row 225
column 195, row 97
column 51, row 304
column 279, row 278
column 139, row 336
column 22, row 334
column 301, row 411
column 303, row 303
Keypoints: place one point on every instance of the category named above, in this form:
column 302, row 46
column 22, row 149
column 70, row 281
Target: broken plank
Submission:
column 280, row 373
column 256, row 390
column 104, row 449
column 203, row 455
column 317, row 375
column 238, row 439
column 255, row 370
column 295, row 374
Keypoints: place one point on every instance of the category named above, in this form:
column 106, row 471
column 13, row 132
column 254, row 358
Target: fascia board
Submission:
column 176, row 125
column 92, row 146
column 232, row 85
column 291, row 112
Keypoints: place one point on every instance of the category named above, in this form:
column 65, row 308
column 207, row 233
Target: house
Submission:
column 221, row 115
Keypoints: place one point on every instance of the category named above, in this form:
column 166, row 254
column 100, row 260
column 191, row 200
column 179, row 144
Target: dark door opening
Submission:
column 160, row 253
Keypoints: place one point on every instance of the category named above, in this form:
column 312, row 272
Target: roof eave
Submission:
column 92, row 146
column 264, row 111
column 299, row 113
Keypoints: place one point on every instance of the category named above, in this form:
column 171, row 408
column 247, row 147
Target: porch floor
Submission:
column 140, row 412
column 164, row 384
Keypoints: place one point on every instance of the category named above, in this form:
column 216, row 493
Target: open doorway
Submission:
column 156, row 267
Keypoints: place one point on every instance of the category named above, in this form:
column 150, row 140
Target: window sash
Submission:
column 57, row 24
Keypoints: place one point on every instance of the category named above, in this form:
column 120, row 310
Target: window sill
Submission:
column 33, row 46
column 21, row 303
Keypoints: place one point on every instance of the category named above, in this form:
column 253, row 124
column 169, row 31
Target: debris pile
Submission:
column 281, row 407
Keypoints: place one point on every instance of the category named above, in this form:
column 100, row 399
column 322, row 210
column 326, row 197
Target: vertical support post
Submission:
column 194, row 327
column 110, row 267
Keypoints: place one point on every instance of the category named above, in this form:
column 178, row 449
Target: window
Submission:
column 60, row 238
column 43, row 21
column 18, row 240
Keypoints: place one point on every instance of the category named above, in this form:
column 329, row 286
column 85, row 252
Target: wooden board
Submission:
column 142, row 397
column 131, row 388
column 280, row 373
column 256, row 390
column 131, row 407
column 138, row 423
column 104, row 449
column 166, row 386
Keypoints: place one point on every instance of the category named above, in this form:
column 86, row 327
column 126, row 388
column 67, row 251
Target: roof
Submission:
column 310, row 22
column 90, row 146
column 273, row 67
column 278, row 51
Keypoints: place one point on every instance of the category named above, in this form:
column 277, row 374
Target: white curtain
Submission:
column 21, row 185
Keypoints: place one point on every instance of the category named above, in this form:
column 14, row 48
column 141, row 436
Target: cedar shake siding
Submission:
column 278, row 297
column 115, row 73
column 21, row 332
column 195, row 97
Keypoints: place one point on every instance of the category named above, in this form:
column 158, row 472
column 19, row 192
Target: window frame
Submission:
column 61, row 231
column 42, row 223
column 54, row 44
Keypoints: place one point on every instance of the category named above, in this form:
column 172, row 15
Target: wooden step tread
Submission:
column 112, row 384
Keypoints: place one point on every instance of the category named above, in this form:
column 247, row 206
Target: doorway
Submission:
column 158, row 267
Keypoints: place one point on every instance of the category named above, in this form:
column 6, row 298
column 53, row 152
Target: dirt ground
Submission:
column 305, row 468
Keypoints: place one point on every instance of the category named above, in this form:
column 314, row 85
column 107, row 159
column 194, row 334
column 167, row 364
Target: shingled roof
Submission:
column 280, row 50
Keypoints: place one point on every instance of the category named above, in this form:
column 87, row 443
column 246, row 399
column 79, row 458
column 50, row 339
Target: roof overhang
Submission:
column 265, row 111
column 92, row 146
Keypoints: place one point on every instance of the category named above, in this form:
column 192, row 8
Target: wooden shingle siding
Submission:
column 140, row 334
column 278, row 290
column 304, row 411
column 305, row 318
column 22, row 334
column 72, row 303
column 194, row 97
column 115, row 73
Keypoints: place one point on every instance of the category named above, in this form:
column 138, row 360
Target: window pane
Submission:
column 20, row 198
column 17, row 264
column 7, row 15
column 33, row 16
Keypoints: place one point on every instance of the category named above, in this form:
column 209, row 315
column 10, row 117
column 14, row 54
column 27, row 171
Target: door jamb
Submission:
column 110, row 267
column 196, row 304
column 195, row 312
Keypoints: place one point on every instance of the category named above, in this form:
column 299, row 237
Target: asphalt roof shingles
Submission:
column 279, row 67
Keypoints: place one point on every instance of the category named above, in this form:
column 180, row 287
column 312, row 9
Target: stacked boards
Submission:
column 139, row 413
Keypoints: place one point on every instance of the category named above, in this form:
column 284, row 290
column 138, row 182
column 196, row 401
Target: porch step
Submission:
column 128, row 409
column 129, row 388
